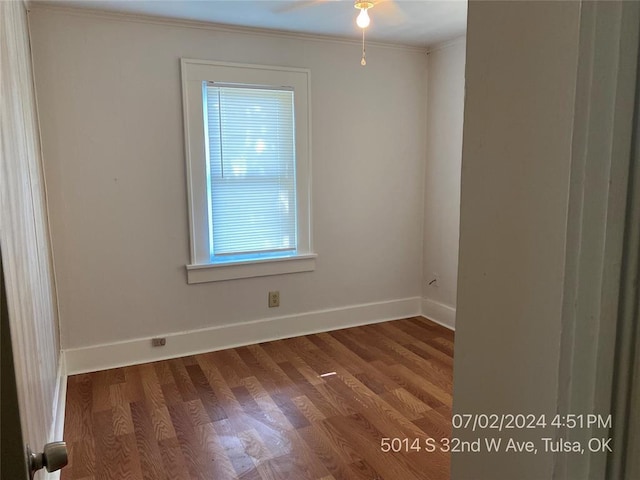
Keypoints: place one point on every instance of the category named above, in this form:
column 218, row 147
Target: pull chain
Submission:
column 363, row 62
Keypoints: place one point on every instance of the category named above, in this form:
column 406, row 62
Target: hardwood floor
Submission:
column 313, row 407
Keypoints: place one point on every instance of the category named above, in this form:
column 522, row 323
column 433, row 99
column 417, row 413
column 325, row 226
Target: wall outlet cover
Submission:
column 274, row 299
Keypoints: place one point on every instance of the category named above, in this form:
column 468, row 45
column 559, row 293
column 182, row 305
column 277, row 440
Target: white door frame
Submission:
column 24, row 235
column 624, row 463
column 603, row 132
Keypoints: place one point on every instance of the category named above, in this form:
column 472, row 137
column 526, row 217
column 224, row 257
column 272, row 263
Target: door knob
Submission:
column 53, row 457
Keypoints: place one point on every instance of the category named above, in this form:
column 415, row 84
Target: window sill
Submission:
column 257, row 268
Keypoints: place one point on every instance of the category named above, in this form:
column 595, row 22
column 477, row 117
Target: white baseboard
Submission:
column 439, row 313
column 132, row 352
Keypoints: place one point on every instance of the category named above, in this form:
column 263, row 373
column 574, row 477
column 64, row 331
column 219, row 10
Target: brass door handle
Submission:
column 53, row 457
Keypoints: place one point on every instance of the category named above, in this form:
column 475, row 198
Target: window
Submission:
column 247, row 152
column 250, row 151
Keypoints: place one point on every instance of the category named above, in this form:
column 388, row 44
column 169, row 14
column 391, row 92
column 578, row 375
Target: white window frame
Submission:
column 194, row 73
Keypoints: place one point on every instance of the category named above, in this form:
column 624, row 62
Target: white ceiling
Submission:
column 408, row 22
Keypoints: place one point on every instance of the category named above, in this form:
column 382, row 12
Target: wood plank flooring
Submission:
column 314, row 407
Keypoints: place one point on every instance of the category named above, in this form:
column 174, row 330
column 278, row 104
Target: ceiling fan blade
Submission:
column 290, row 6
column 390, row 11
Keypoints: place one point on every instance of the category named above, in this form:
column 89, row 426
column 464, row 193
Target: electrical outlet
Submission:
column 158, row 342
column 274, row 299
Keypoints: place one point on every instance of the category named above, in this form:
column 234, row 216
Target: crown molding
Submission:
column 215, row 27
column 448, row 44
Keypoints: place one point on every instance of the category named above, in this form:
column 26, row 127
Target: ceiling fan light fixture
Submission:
column 363, row 19
column 363, row 5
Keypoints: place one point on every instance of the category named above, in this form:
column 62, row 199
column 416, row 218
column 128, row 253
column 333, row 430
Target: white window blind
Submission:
column 251, row 177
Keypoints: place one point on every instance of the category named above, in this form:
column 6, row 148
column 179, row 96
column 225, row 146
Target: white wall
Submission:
column 109, row 96
column 24, row 237
column 445, row 106
column 516, row 165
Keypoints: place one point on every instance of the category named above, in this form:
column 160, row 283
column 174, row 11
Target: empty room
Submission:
column 319, row 240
